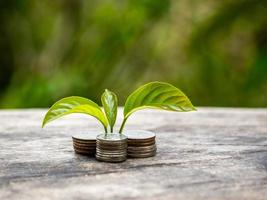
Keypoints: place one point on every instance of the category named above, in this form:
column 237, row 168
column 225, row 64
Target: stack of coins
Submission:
column 85, row 143
column 141, row 144
column 111, row 147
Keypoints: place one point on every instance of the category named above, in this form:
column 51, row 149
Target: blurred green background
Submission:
column 215, row 51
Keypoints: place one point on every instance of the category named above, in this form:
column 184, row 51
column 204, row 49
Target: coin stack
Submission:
column 85, row 143
column 141, row 144
column 111, row 147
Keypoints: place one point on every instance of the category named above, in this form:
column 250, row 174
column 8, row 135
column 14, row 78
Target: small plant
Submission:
column 156, row 95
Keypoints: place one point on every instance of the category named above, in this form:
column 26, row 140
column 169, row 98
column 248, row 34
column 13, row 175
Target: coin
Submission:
column 140, row 135
column 142, row 155
column 111, row 150
column 85, row 136
column 115, row 144
column 111, row 155
column 84, row 152
column 140, row 141
column 111, row 138
column 105, row 159
column 111, row 147
column 85, row 148
column 85, row 143
column 141, row 152
column 140, row 144
column 141, row 147
column 136, row 151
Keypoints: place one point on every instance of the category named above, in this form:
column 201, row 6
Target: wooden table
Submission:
column 215, row 153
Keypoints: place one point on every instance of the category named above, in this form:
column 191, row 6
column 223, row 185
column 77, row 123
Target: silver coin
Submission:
column 151, row 140
column 105, row 159
column 112, row 147
column 139, row 135
column 120, row 151
column 143, row 155
column 110, row 144
column 111, row 152
column 110, row 155
column 141, row 152
column 111, row 159
column 141, row 143
column 85, row 136
column 84, row 145
column 111, row 137
column 111, row 141
column 142, row 147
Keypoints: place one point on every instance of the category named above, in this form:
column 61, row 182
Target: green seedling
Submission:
column 155, row 95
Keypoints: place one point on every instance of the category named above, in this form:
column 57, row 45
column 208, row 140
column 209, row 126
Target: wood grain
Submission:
column 215, row 153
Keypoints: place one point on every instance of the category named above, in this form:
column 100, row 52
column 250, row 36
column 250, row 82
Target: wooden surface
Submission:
column 214, row 153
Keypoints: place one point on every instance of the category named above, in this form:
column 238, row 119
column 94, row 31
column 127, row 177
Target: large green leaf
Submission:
column 110, row 104
column 75, row 104
column 157, row 95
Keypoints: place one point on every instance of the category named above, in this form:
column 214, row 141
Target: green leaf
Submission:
column 75, row 104
column 110, row 104
column 157, row 95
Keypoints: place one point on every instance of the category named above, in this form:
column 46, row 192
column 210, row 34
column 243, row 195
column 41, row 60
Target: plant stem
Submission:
column 111, row 129
column 106, row 131
column 122, row 125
